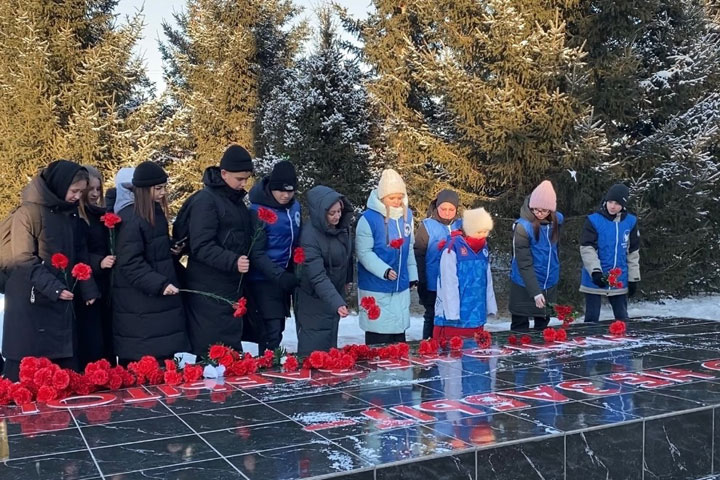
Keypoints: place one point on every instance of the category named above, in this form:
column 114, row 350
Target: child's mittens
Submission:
column 597, row 278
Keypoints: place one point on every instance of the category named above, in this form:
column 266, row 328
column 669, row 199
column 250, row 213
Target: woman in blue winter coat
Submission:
column 270, row 300
column 386, row 261
column 465, row 294
column 441, row 221
column 535, row 270
column 610, row 240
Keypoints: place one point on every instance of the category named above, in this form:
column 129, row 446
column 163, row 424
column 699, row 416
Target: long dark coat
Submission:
column 37, row 323
column 220, row 231
column 145, row 321
column 326, row 271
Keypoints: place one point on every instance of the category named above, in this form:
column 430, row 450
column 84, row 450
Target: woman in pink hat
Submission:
column 535, row 268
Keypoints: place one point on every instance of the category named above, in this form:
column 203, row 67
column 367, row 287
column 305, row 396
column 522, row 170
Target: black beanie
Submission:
column 447, row 196
column 236, row 159
column 149, row 174
column 59, row 175
column 618, row 193
column 283, row 177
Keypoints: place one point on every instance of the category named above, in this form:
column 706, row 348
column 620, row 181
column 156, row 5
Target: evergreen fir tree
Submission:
column 320, row 118
column 220, row 60
column 69, row 86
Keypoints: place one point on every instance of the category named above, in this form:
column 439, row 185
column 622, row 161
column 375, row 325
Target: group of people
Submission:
column 142, row 298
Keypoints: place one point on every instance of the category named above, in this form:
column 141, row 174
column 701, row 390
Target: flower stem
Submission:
column 208, row 294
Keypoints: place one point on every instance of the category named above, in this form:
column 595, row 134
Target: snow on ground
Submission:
column 702, row 307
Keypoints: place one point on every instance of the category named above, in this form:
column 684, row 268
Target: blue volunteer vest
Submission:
column 472, row 281
column 613, row 242
column 437, row 232
column 396, row 258
column 281, row 237
column 546, row 261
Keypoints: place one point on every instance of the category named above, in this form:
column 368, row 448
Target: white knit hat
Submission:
column 477, row 223
column 390, row 182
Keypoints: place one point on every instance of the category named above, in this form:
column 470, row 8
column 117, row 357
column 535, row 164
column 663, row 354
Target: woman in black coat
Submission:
column 326, row 272
column 95, row 321
column 148, row 313
column 39, row 316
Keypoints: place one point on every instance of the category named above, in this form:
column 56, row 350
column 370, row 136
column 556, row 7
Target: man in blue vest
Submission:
column 442, row 219
column 610, row 240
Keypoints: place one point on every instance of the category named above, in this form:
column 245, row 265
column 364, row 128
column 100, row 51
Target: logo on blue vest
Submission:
column 407, row 229
column 297, row 218
column 626, row 238
column 486, row 252
column 463, row 251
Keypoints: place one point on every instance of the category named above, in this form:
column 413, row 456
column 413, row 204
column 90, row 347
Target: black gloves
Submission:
column 288, row 281
column 632, row 288
column 597, row 278
column 413, row 284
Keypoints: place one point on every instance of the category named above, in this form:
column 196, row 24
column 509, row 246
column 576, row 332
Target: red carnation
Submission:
column 110, row 220
column 560, row 335
column 456, row 233
column 299, row 256
column 99, row 377
column 192, row 373
column 240, row 308
column 291, row 364
column 441, row 244
column 156, row 377
column 512, row 340
column 367, row 302
column 173, row 377
column 317, row 359
column 170, row 365
column 397, row 243
column 403, row 349
column 525, row 340
column 618, row 327
column 147, row 365
column 217, row 352
column 61, row 380
column 483, row 339
column 347, row 362
column 43, row 376
column 115, row 382
column 428, row 347
column 59, row 261
column 456, row 343
column 615, row 272
column 226, row 360
column 20, row 395
column 81, row 271
column 373, row 312
column 549, row 334
column 619, row 284
column 46, row 393
column 266, row 215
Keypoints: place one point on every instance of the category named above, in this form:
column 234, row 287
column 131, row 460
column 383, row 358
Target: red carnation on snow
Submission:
column 110, row 220
column 618, row 327
column 291, row 364
column 59, row 261
column 81, row 271
column 512, row 340
column 397, row 243
column 456, row 343
column 428, row 347
column 299, row 255
column 266, row 215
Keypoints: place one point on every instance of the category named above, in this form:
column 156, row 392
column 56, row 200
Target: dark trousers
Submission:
column 12, row 367
column 427, row 300
column 274, row 328
column 520, row 322
column 372, row 338
column 593, row 302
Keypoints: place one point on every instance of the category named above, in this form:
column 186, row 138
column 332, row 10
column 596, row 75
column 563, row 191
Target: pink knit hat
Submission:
column 544, row 197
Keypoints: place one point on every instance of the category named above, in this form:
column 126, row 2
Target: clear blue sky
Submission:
column 155, row 11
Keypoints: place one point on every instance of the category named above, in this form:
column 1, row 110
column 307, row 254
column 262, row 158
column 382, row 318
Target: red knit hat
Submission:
column 544, row 197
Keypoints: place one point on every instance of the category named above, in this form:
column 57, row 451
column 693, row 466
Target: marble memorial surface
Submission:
column 641, row 406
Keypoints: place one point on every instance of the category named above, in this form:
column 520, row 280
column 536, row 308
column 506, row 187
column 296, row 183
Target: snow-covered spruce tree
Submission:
column 220, row 60
column 69, row 88
column 320, row 118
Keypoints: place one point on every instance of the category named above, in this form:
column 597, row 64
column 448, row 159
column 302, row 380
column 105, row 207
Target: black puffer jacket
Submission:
column 220, row 231
column 327, row 268
column 37, row 323
column 145, row 321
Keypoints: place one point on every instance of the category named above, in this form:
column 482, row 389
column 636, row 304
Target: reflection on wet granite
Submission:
column 587, row 408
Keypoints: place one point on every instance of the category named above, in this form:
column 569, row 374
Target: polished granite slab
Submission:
column 595, row 406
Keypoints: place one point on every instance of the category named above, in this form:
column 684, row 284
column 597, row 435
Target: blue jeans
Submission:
column 593, row 302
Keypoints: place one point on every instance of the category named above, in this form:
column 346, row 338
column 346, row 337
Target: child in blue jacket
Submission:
column 610, row 240
column 465, row 294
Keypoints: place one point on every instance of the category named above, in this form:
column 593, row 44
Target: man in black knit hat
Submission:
column 219, row 230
